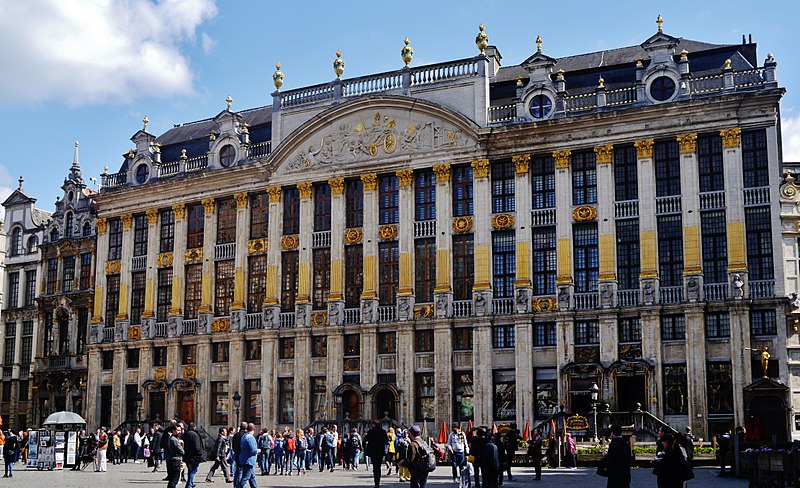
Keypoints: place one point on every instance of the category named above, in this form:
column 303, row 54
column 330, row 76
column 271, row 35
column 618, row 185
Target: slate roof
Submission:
column 201, row 128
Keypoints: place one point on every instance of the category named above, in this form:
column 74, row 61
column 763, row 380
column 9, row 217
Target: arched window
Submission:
column 33, row 244
column 16, row 242
column 87, row 229
column 54, row 235
column 68, row 222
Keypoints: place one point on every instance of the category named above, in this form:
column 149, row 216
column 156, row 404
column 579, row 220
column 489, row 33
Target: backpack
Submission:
column 290, row 444
column 301, row 444
column 355, row 442
column 425, row 460
column 329, row 440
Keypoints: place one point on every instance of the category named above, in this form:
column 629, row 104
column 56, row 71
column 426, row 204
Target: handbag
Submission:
column 602, row 468
column 147, row 452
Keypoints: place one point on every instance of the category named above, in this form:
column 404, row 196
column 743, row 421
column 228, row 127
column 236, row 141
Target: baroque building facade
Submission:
column 453, row 242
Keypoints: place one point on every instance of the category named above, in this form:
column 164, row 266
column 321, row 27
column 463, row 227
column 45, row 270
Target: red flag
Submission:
column 553, row 426
column 527, row 433
column 443, row 433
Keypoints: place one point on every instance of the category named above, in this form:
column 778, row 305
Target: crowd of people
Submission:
column 13, row 447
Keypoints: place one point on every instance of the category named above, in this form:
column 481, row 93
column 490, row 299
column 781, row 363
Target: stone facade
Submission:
column 452, row 242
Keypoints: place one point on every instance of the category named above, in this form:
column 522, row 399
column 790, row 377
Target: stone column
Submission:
column 696, row 368
column 369, row 358
column 271, row 306
column 148, row 314
column 121, row 322
column 741, row 367
column 236, row 381
column 206, row 309
column 338, row 222
column 482, row 371
column 443, row 292
column 118, row 385
column 526, row 404
column 302, row 370
column 648, row 246
column 734, row 213
column 564, row 280
column 482, row 203
column 101, row 257
column 173, row 372
column 369, row 295
column 651, row 352
column 565, row 350
column 522, row 285
column 606, row 228
column 178, row 251
column 239, row 305
column 405, row 368
column 405, row 236
column 443, row 370
column 203, row 370
column 92, row 387
column 690, row 205
column 269, row 380
column 335, row 364
column 609, row 340
column 303, row 302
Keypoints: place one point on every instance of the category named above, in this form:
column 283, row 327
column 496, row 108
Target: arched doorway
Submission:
column 186, row 399
column 630, row 381
column 350, row 401
column 385, row 399
column 766, row 411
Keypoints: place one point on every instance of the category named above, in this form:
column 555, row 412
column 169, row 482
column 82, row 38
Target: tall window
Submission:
column 194, row 290
column 587, row 332
column 709, row 159
column 505, row 395
column 27, row 342
column 763, row 322
column 755, row 162
column 423, row 340
column 164, row 294
column 195, row 222
column 388, row 199
column 47, row 340
column 30, row 288
column 424, row 269
column 322, row 207
column 543, row 182
column 52, row 275
column 503, row 336
column 219, row 402
column 220, row 352
column 252, row 350
column 290, row 261
column 354, row 203
column 462, row 190
column 587, row 261
column 16, row 242
column 319, row 397
column 112, row 299
column 673, row 327
column 544, row 334
column 353, row 275
column 425, row 396
column 114, row 239
column 715, row 246
column 424, row 195
column 668, row 168
column 584, row 178
column 502, row 186
column 462, row 339
column 319, row 346
column 159, row 356
column 759, row 243
column 719, row 392
column 389, row 272
column 33, row 243
column 676, row 389
column 387, row 342
column 626, row 179
column 286, row 400
column 252, row 400
column 629, row 329
column 291, row 210
column 321, row 281
column 543, row 278
column 628, row 254
column 259, row 215
column 13, row 289
column 69, row 223
column 167, row 237
column 463, row 266
column 256, row 282
column 504, row 261
column 139, row 235
column 86, row 271
column 223, row 287
column 10, row 344
column 463, row 396
column 718, row 324
column 67, row 274
column 137, row 297
column 670, row 250
column 226, row 221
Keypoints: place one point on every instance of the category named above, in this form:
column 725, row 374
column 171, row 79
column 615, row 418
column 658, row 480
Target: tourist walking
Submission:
column 671, row 467
column 328, row 443
column 311, row 448
column 511, row 440
column 535, row 453
column 376, row 443
column 490, row 463
column 102, row 448
column 458, row 449
column 300, row 447
column 418, row 458
column 356, row 448
column 10, row 452
column 236, row 447
column 126, row 445
column 155, row 446
column 246, row 461
column 570, row 452
column 476, row 446
column 724, row 445
column 194, row 453
column 220, row 455
column 114, row 448
column 391, row 452
column 617, row 462
column 174, row 454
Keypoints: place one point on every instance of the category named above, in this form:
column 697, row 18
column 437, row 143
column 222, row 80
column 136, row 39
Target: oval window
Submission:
column 662, row 88
column 227, row 155
column 541, row 106
column 142, row 172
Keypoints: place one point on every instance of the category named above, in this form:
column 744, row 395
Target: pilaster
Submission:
column 690, row 205
column 269, row 378
column 443, row 372
column 336, row 293
column 101, row 256
column 482, row 371
column 606, row 228
column 443, row 293
column 405, row 237
column 609, row 339
column 369, row 357
column 648, row 246
column 741, row 367
column 564, row 279
column 125, row 267
column 405, row 369
column 369, row 294
column 273, row 260
column 179, row 249
column 651, row 352
column 522, row 202
column 303, row 302
column 696, row 367
column 565, row 350
column 302, row 369
column 209, row 240
column 335, row 364
column 482, row 204
column 523, row 359
column 240, row 260
column 203, row 370
column 150, row 274
column 734, row 212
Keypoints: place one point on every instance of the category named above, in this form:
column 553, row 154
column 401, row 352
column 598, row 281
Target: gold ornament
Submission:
column 462, row 224
column 644, row 148
column 164, row 259
column 102, row 225
column 353, row 236
column 192, row 256
column 387, row 232
column 113, row 266
column 338, row 65
column 731, row 138
column 208, row 205
column 152, row 216
column 423, row 311
column 687, row 143
column 127, row 221
column 179, row 210
column 189, row 372
column 482, row 39
column 503, row 221
column 521, row 163
column 290, row 243
column 274, row 193
column 319, row 319
column 221, row 325
column 604, row 154
column 277, row 77
column 407, row 52
column 480, row 168
column 160, row 374
column 241, row 199
column 134, row 332
column 337, row 186
column 442, row 172
column 405, row 177
column 538, row 44
column 370, row 181
column 584, row 213
column 258, row 246
column 562, row 158
column 544, row 304
column 305, row 189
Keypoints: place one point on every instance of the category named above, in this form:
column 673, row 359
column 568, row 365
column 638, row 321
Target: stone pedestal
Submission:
column 204, row 322
column 443, row 304
column 174, row 324
column 564, row 300
column 336, row 312
column 649, row 290
column 369, row 310
column 238, row 320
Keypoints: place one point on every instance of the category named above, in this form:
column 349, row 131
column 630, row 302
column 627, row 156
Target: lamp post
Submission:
column 237, row 401
column 594, row 391
column 139, row 399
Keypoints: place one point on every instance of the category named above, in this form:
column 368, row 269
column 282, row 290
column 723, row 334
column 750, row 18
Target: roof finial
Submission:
column 145, row 121
column 660, row 23
column 277, row 77
column 229, row 101
column 482, row 39
column 20, row 183
column 338, row 65
column 407, row 52
column 538, row 44
column 75, row 164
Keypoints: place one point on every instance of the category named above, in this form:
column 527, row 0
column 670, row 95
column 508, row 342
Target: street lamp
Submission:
column 594, row 392
column 139, row 399
column 237, row 401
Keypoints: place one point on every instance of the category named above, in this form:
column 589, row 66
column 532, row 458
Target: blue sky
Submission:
column 91, row 70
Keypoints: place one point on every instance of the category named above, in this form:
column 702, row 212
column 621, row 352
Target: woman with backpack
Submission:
column 391, row 450
column 279, row 451
column 290, row 447
column 300, row 447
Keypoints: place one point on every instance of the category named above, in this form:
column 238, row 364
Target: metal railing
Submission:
column 108, row 334
column 543, row 216
column 352, row 315
column 260, row 150
column 321, row 239
column 286, row 320
column 160, row 329
column 189, row 327
column 462, row 308
column 712, row 200
column 584, row 101
column 670, row 294
column 253, row 321
column 621, row 96
column 761, row 288
column 424, row 228
column 586, row 301
column 626, row 209
column 138, row 263
column 502, row 306
column 628, row 298
column 756, row 196
column 387, row 313
column 668, row 205
column 499, row 114
column 224, row 251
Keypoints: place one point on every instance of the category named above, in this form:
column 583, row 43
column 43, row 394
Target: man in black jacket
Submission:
column 174, row 453
column 194, row 454
column 220, row 453
column 155, row 445
column 237, row 447
column 476, row 445
column 618, row 460
column 375, row 442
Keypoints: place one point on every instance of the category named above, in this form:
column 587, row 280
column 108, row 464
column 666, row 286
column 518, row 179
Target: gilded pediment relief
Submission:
column 370, row 135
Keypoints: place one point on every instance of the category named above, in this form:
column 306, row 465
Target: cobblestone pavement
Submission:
column 138, row 475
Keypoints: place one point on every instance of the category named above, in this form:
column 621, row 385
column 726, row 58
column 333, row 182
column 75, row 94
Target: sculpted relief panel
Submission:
column 366, row 135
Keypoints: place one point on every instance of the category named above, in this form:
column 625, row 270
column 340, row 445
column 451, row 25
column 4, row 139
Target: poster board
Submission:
column 72, row 448
column 46, row 450
column 60, row 449
column 33, row 449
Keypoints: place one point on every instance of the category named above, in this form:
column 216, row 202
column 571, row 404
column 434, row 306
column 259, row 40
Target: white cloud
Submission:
column 207, row 43
column 82, row 52
column 6, row 188
column 790, row 133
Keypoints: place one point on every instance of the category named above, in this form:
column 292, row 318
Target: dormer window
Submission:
column 540, row 107
column 662, row 88
column 16, row 242
column 142, row 173
column 227, row 156
column 69, row 221
column 33, row 244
